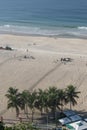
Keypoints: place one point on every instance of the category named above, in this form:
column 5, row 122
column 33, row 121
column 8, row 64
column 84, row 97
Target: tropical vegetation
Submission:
column 20, row 126
column 49, row 100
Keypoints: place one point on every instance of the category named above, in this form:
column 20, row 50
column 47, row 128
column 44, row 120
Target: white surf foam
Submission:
column 82, row 27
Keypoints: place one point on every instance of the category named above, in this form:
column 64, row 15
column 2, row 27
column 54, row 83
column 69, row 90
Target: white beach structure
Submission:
column 64, row 121
column 71, row 116
column 79, row 125
column 85, row 119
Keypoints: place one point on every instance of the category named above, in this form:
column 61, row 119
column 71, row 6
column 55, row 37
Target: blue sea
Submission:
column 63, row 18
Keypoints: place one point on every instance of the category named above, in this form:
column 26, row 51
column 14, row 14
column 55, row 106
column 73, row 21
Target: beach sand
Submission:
column 35, row 62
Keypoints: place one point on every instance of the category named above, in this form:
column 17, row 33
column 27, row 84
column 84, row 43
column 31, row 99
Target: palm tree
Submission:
column 13, row 99
column 32, row 101
column 53, row 100
column 24, row 101
column 40, row 103
column 71, row 95
column 45, row 101
column 61, row 98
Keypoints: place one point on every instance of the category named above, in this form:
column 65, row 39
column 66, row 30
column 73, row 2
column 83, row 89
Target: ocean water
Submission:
column 67, row 18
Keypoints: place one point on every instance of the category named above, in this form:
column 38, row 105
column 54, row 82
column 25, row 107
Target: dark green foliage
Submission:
column 31, row 102
column 22, row 126
column 1, row 126
column 13, row 99
column 71, row 95
column 8, row 128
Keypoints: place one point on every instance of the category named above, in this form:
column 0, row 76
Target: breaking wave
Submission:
column 83, row 27
column 80, row 31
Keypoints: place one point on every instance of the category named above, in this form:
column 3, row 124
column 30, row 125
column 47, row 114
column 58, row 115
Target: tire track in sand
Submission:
column 80, row 80
column 12, row 58
column 44, row 76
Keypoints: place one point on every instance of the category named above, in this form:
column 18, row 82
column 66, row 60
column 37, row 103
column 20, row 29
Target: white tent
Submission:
column 79, row 125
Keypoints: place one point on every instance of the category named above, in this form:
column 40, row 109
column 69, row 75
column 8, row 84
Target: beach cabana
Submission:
column 69, row 113
column 79, row 125
column 75, row 118
column 64, row 121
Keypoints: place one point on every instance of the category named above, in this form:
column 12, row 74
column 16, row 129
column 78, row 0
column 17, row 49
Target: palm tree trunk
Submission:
column 32, row 115
column 41, row 111
column 70, row 106
column 61, row 105
column 46, row 109
column 17, row 111
column 26, row 111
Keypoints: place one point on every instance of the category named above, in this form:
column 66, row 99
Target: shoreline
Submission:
column 42, row 35
column 44, row 31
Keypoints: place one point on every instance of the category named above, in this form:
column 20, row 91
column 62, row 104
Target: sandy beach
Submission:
column 35, row 62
